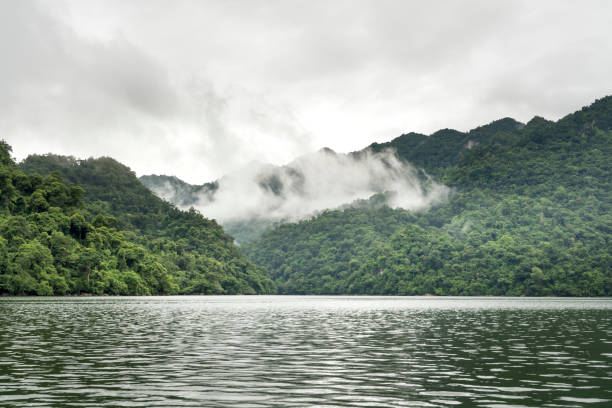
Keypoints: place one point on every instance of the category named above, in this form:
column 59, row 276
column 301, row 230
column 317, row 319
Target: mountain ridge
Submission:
column 531, row 216
column 407, row 147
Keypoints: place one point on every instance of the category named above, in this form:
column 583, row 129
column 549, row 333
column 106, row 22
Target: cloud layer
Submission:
column 197, row 89
column 312, row 183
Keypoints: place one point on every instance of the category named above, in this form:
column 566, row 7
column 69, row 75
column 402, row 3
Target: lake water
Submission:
column 294, row 351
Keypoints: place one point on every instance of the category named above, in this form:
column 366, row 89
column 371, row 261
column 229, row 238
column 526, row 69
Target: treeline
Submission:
column 72, row 226
column 531, row 215
column 496, row 246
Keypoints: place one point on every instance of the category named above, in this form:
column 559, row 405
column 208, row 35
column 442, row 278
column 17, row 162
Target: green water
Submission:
column 294, row 351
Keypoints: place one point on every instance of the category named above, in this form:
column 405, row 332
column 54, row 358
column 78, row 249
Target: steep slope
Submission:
column 531, row 216
column 193, row 249
column 51, row 245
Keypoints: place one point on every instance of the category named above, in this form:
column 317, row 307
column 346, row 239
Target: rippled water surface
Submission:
column 282, row 351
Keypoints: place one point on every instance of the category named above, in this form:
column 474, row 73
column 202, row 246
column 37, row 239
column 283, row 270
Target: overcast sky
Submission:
column 199, row 88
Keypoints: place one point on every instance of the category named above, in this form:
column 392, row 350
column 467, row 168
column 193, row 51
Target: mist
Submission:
column 308, row 185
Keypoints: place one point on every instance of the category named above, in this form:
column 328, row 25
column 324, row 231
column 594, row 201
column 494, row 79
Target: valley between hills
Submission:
column 507, row 208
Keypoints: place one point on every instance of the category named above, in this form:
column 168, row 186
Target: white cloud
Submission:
column 316, row 182
column 197, row 89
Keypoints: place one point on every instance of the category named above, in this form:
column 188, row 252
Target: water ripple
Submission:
column 305, row 351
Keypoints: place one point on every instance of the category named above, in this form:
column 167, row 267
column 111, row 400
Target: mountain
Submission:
column 444, row 148
column 193, row 250
column 274, row 195
column 256, row 198
column 531, row 214
column 510, row 209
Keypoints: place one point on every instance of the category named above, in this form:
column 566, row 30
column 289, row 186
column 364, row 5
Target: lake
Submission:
column 294, row 351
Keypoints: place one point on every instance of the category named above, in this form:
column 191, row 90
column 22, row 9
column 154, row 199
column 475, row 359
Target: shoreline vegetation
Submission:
column 530, row 215
column 341, row 295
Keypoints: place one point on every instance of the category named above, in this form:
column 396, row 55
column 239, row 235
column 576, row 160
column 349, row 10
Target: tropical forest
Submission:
column 527, row 211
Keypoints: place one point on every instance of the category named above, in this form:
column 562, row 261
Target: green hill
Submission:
column 434, row 153
column 51, row 245
column 531, row 215
column 444, row 148
column 192, row 252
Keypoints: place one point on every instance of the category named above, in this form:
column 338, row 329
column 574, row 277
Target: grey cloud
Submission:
column 67, row 93
column 47, row 60
column 75, row 94
column 197, row 89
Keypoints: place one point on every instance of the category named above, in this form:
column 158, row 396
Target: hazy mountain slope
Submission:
column 260, row 196
column 434, row 153
column 532, row 215
column 185, row 195
column 274, row 191
column 178, row 192
column 195, row 250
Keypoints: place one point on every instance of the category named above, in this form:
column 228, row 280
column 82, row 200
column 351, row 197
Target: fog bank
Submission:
column 310, row 184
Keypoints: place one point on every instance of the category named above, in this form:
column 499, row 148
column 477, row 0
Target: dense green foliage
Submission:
column 444, row 148
column 531, row 215
column 49, row 244
column 114, row 236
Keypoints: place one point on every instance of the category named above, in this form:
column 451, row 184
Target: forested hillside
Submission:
column 51, row 245
column 531, row 215
column 106, row 233
column 443, row 149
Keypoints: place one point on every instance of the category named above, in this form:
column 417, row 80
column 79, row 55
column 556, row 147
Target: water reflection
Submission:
column 305, row 351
